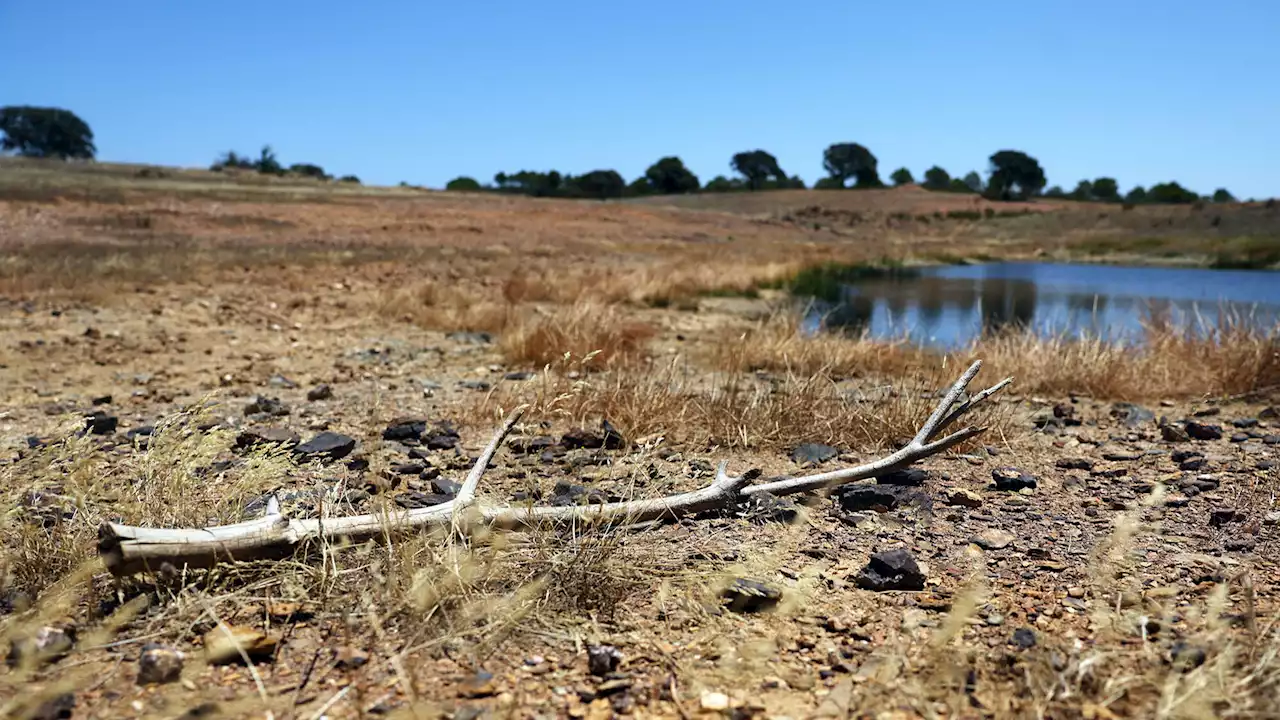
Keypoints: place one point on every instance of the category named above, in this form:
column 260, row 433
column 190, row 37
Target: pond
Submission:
column 952, row 305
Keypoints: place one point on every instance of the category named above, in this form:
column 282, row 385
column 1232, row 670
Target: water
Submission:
column 950, row 306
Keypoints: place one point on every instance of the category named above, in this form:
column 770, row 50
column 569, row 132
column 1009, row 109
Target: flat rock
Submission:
column 994, row 539
column 326, row 446
column 1012, row 478
column 746, row 596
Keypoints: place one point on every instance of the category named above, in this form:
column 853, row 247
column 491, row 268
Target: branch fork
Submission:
column 127, row 550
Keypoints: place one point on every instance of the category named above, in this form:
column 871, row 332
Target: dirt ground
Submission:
column 1133, row 578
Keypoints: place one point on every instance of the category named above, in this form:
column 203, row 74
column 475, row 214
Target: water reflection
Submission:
column 953, row 305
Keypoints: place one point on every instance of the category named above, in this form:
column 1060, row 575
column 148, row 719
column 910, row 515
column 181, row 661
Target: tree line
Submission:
column 50, row 132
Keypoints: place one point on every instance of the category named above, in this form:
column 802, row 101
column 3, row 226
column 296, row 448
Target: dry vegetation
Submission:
column 1130, row 583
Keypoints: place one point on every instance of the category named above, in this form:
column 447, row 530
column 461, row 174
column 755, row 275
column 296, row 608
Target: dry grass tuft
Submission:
column 584, row 336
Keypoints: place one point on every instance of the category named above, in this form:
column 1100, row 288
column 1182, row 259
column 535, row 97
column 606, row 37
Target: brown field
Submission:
column 1136, row 579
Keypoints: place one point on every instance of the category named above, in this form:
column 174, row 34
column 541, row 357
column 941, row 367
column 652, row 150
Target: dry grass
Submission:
column 1231, row 357
column 584, row 336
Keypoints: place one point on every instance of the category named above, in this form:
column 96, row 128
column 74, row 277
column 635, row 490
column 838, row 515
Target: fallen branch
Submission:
column 127, row 550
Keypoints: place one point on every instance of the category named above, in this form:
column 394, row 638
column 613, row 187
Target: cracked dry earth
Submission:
column 821, row 607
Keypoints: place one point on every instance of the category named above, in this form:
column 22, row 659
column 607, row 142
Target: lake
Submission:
column 951, row 305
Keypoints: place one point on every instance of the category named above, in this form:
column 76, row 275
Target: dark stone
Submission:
column 480, row 385
column 1173, row 433
column 58, row 708
column 253, row 437
column 102, row 400
column 912, row 477
column 602, row 659
column 266, row 406
column 767, row 507
column 1271, row 439
column 408, row 469
column 566, row 493
column 578, row 438
column 1265, row 465
column 1024, row 638
column 405, row 428
column 1064, row 411
column 747, row 596
column 1222, row 517
column 613, row 440
column 159, row 664
column 445, row 486
column 1012, row 478
column 470, row 338
column 319, row 392
column 530, row 446
column 1201, row 431
column 891, row 570
column 100, row 423
column 1131, row 415
column 414, row 499
column 1075, row 463
column 1121, row 456
column 858, row 498
column 519, row 376
column 1245, row 423
column 442, row 436
column 1193, row 464
column 326, row 446
column 1186, row 657
column 1181, row 456
column 813, row 454
column 359, row 464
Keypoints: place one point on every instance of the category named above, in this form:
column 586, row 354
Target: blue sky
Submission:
column 425, row 91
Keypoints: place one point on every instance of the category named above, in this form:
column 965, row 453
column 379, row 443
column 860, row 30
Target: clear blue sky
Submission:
column 425, row 91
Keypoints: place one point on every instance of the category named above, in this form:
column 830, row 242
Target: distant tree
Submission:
column 935, row 178
column 45, row 132
column 851, row 160
column 1170, row 193
column 957, row 185
column 309, row 170
column 720, row 183
column 669, row 176
column 902, row 176
column 796, row 183
column 463, row 183
column 500, row 180
column 1136, row 196
column 349, row 179
column 1083, row 191
column 267, row 163
column 600, row 184
column 232, row 159
column 828, row 183
column 1055, row 192
column 973, row 181
column 1222, row 195
column 756, row 166
column 1015, row 175
column 1106, row 189
column 639, row 187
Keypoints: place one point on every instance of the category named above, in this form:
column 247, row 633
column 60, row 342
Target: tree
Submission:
column 1106, row 189
column 463, row 184
column 902, row 176
column 1015, row 175
column 935, row 178
column 669, row 176
column 756, row 166
column 851, row 160
column 309, row 170
column 721, row 183
column 1135, row 196
column 349, row 179
column 231, row 159
column 1170, row 193
column 1222, row 195
column 45, row 132
column 601, row 184
column 267, row 163
column 958, row 185
column 973, row 181
column 1083, row 191
column 828, row 183
column 1055, row 192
